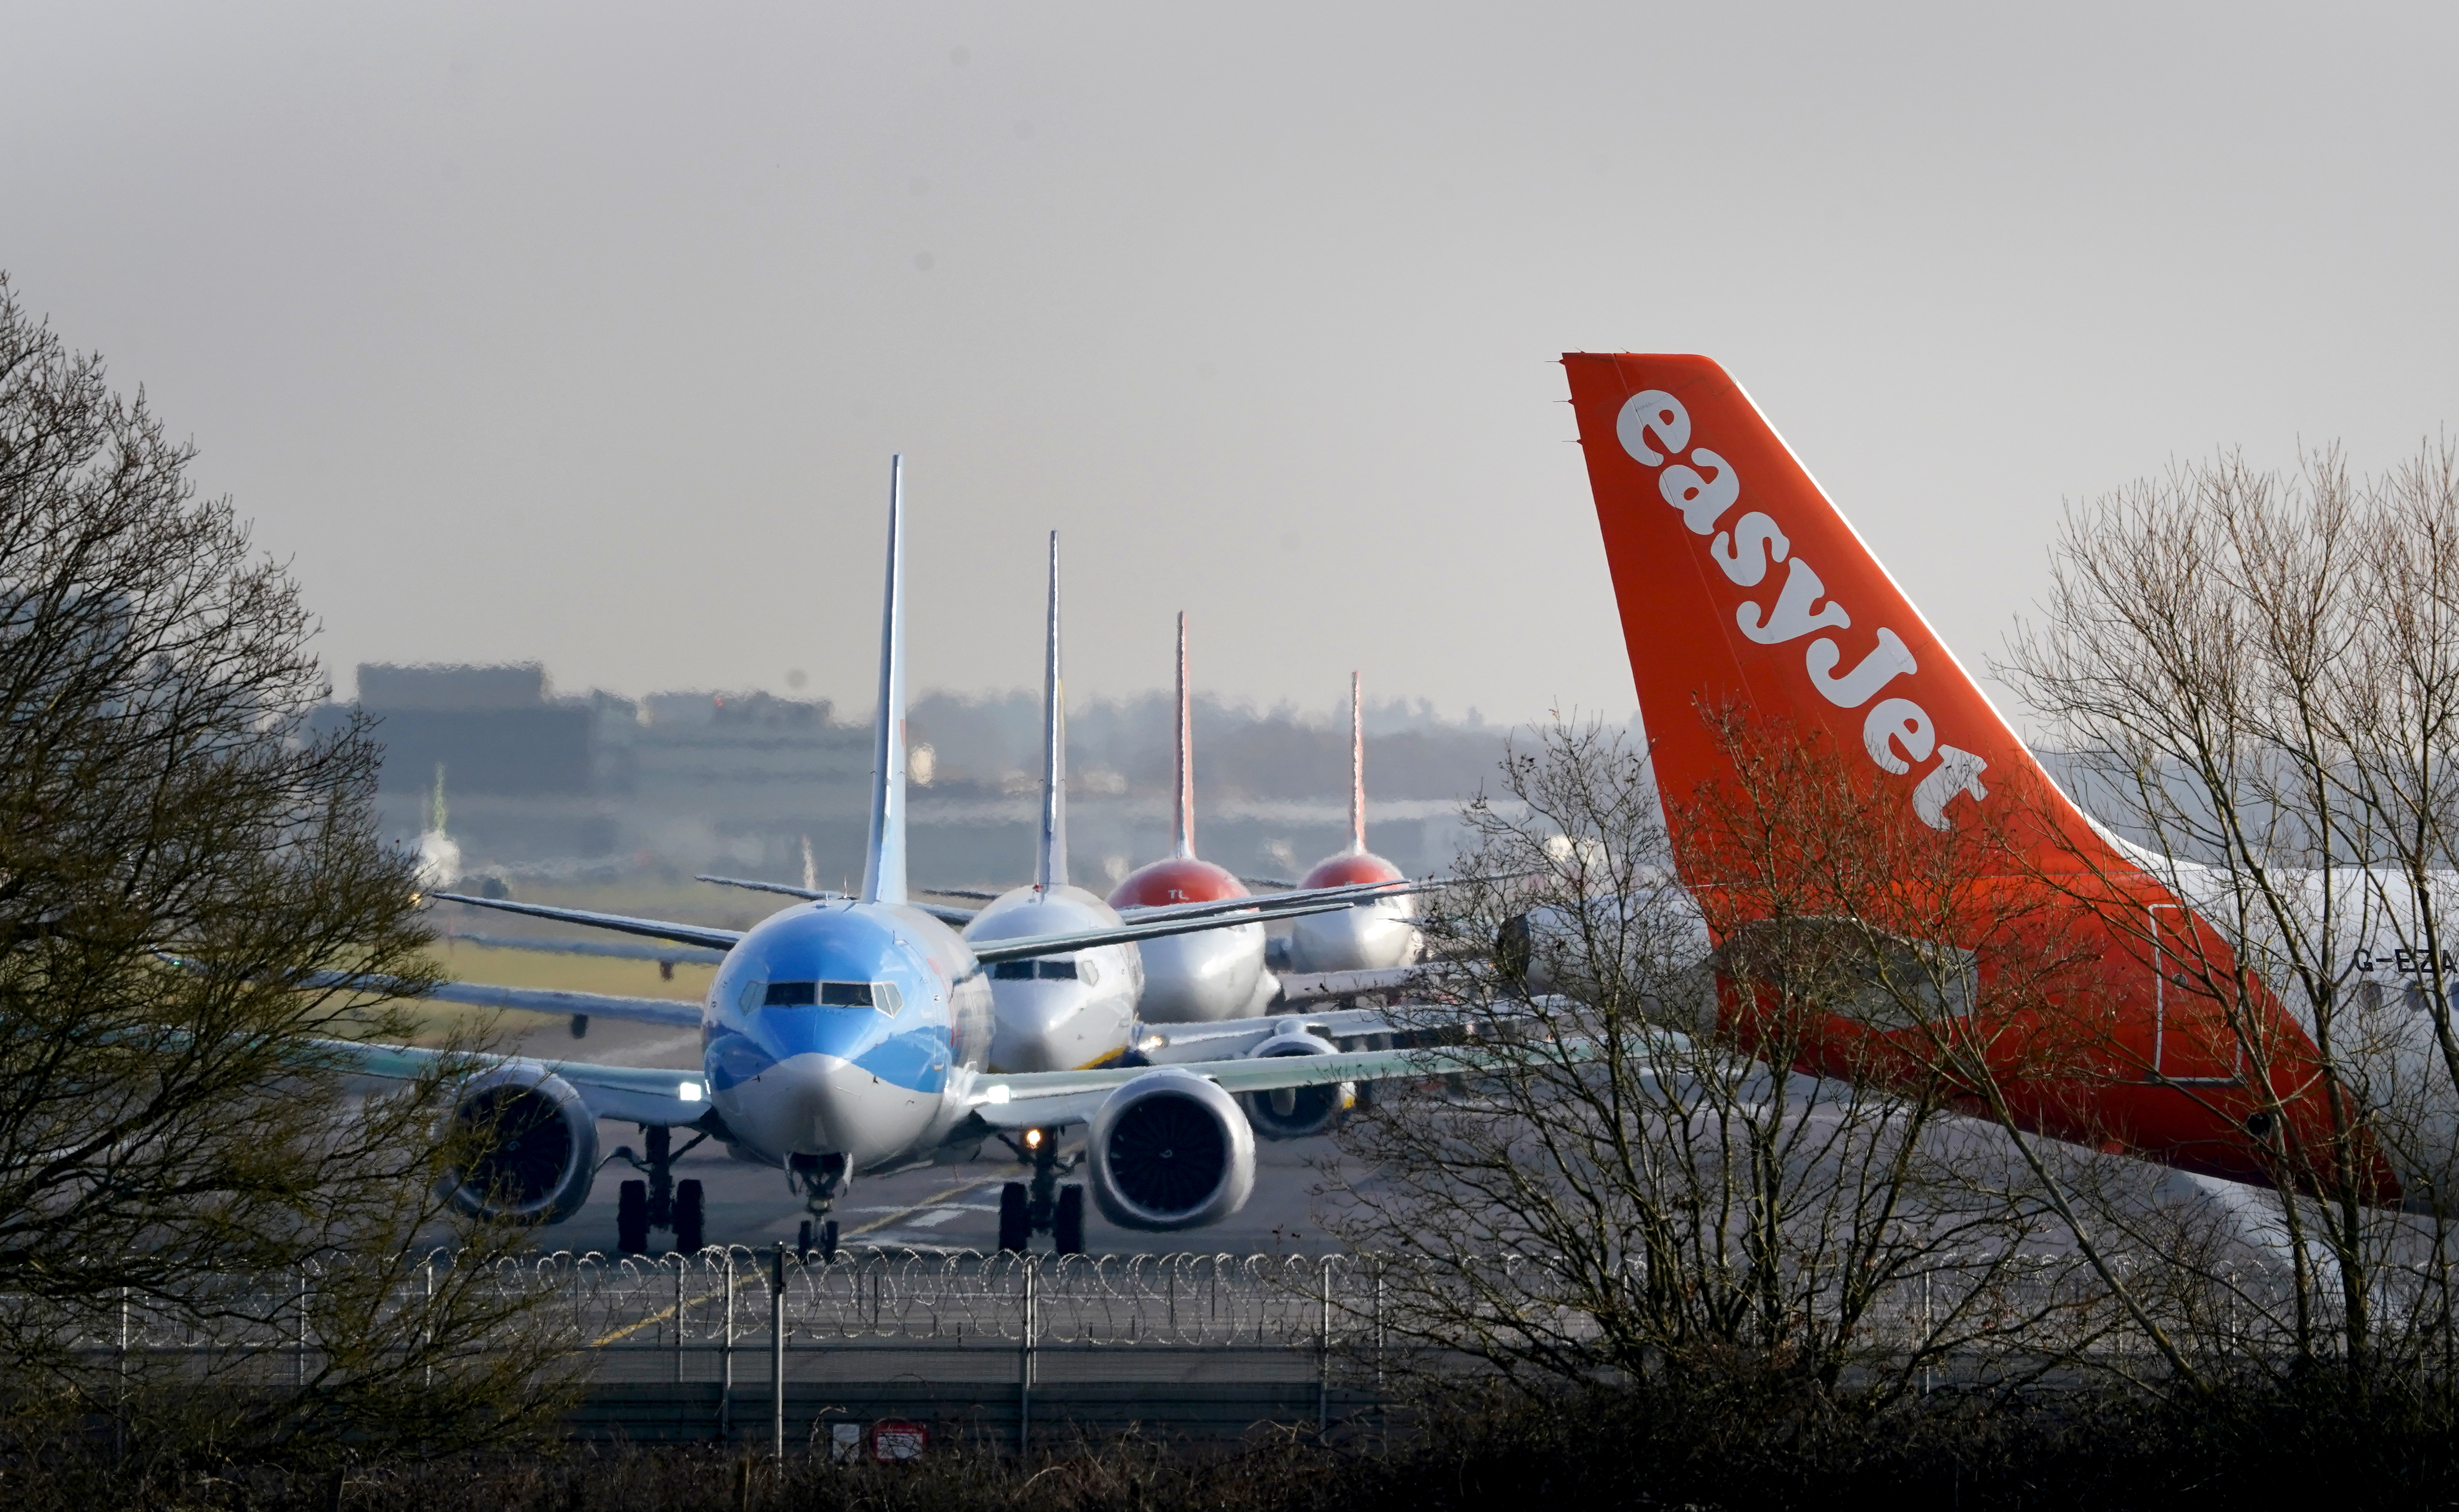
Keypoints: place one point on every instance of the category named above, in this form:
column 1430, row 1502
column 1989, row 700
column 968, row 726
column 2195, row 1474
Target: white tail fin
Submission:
column 1357, row 766
column 1186, row 753
column 1052, row 872
column 883, row 869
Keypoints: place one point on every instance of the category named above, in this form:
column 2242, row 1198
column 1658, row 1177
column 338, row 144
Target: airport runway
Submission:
column 940, row 1207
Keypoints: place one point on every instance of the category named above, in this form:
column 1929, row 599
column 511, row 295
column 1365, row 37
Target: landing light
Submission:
column 1032, row 1139
column 689, row 1091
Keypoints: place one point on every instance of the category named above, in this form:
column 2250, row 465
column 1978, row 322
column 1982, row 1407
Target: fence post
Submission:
column 680, row 1264
column 119, row 1411
column 1926, row 1333
column 1025, row 1354
column 299, row 1349
column 1379, row 1325
column 426, row 1325
column 726, row 1359
column 777, row 1350
column 1323, row 1350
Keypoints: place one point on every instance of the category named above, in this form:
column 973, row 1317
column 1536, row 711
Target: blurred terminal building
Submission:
column 592, row 786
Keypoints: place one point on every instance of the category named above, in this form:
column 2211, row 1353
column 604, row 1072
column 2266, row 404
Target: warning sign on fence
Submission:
column 896, row 1439
column 845, row 1443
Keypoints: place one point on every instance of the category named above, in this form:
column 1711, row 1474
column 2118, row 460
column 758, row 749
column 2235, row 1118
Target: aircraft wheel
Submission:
column 1016, row 1223
column 1067, row 1230
column 691, row 1217
column 829, row 1240
column 632, row 1218
column 803, row 1241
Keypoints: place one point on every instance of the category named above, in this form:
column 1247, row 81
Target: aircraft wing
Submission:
column 619, row 950
column 1280, row 905
column 1304, row 987
column 1179, row 1043
column 1047, row 1099
column 814, row 894
column 945, row 913
column 578, row 1004
column 703, row 935
column 631, row 1094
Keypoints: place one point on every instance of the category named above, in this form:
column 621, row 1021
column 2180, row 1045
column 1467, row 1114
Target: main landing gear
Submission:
column 821, row 1179
column 1044, row 1207
column 660, row 1201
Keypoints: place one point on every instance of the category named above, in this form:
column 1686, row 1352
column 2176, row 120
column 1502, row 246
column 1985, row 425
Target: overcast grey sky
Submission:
column 583, row 332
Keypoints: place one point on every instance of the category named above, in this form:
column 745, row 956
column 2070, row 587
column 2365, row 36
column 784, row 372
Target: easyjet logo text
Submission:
column 1705, row 491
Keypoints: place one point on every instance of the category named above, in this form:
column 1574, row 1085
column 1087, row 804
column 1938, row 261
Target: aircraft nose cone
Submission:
column 815, row 1104
column 1040, row 1028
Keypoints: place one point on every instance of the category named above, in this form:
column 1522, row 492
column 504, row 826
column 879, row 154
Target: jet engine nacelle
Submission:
column 1170, row 1150
column 538, row 1147
column 1297, row 1112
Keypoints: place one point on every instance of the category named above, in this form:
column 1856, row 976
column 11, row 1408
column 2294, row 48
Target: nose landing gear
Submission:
column 1044, row 1207
column 821, row 1179
column 661, row 1201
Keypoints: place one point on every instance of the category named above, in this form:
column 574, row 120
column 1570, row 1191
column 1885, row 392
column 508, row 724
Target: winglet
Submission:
column 1052, row 872
column 883, row 869
column 1186, row 753
column 1357, row 766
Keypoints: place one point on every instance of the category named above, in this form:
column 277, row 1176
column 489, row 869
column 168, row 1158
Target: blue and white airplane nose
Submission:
column 839, row 1065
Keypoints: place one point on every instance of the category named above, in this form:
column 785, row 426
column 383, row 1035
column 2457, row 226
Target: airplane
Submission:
column 849, row 1036
column 1196, row 980
column 1739, row 583
column 1380, row 934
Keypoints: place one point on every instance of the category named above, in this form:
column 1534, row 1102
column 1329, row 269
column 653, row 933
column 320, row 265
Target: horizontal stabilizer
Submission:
column 957, row 916
column 700, row 935
column 991, row 951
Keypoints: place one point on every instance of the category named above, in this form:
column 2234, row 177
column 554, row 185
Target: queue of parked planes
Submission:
column 1143, row 1039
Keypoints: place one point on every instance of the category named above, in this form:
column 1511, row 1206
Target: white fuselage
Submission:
column 1059, row 1013
column 1374, row 935
column 1202, row 978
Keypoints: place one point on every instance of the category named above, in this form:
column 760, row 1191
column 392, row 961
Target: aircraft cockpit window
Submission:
column 790, row 994
column 1087, row 972
column 1012, row 971
column 845, row 995
column 1056, row 969
column 887, row 998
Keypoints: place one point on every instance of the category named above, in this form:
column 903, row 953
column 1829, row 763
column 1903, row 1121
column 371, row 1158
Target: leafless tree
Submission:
column 2256, row 675
column 1642, row 1183
column 185, row 873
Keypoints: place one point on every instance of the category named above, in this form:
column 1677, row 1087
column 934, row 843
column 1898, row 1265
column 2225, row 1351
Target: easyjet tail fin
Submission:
column 1740, row 584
